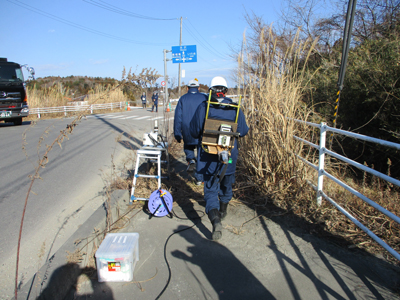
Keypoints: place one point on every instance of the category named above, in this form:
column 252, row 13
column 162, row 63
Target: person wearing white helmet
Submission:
column 217, row 185
column 184, row 112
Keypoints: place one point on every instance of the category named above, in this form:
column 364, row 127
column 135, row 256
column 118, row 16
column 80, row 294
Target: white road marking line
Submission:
column 115, row 117
column 131, row 117
column 124, row 117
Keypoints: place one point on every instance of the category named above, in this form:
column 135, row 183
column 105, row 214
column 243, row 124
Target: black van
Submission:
column 13, row 98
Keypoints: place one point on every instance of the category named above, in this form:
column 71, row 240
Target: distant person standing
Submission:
column 143, row 98
column 155, row 101
column 184, row 112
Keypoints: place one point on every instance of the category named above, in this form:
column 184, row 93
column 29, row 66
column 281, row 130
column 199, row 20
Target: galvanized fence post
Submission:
column 321, row 163
column 91, row 108
column 65, row 111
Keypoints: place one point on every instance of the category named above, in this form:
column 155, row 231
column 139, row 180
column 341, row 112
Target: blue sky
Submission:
column 89, row 37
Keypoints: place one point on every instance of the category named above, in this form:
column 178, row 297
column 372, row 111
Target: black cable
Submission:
column 201, row 43
column 153, row 140
column 156, row 142
column 166, row 243
column 115, row 9
column 211, row 46
column 164, row 144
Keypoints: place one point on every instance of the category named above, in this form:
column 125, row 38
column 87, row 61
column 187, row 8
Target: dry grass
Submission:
column 48, row 97
column 273, row 83
column 57, row 95
column 273, row 90
column 113, row 95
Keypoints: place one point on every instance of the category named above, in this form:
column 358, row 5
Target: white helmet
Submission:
column 219, row 81
column 193, row 83
column 219, row 85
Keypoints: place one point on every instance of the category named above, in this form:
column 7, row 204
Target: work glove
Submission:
column 178, row 138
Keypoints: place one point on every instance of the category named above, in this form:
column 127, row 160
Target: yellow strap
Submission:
column 208, row 104
column 238, row 108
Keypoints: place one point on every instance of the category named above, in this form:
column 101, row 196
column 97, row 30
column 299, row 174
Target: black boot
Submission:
column 223, row 209
column 215, row 219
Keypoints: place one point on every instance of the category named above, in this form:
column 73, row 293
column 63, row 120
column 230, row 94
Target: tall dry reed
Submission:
column 113, row 95
column 273, row 83
column 48, row 97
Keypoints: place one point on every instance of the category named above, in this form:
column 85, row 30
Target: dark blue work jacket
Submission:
column 184, row 112
column 208, row 164
column 155, row 99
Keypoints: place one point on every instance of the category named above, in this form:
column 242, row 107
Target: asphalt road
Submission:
column 71, row 186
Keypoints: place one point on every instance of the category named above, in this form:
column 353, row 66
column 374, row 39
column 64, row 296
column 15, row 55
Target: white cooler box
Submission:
column 117, row 256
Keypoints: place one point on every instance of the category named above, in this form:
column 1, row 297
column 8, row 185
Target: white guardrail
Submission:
column 79, row 106
column 74, row 108
column 321, row 173
column 83, row 107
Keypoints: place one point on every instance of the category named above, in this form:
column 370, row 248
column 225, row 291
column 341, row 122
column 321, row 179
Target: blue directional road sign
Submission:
column 184, row 54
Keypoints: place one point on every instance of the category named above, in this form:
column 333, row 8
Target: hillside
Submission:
column 78, row 86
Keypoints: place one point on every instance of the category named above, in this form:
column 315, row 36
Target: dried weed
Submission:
column 268, row 168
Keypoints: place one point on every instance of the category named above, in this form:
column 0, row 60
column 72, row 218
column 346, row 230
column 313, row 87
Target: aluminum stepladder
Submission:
column 152, row 154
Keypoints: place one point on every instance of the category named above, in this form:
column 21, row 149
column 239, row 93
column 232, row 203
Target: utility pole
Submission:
column 166, row 98
column 179, row 75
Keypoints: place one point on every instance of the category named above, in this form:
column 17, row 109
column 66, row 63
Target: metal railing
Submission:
column 84, row 107
column 76, row 108
column 322, row 172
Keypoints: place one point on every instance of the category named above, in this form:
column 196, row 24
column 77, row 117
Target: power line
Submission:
column 211, row 46
column 199, row 57
column 115, row 9
column 72, row 24
column 204, row 45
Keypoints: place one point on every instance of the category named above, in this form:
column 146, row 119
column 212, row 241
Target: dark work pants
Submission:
column 189, row 152
column 214, row 191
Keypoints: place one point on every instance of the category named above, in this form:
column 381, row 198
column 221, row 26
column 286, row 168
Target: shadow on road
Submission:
column 67, row 276
column 132, row 143
column 222, row 269
column 10, row 124
column 370, row 270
